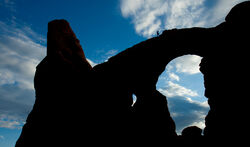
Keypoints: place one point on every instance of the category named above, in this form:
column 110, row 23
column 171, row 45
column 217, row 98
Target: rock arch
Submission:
column 66, row 85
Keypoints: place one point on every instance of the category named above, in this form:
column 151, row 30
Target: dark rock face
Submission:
column 59, row 81
column 191, row 132
column 222, row 87
column 77, row 104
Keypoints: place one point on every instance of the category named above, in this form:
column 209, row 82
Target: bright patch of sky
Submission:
column 184, row 90
column 150, row 16
column 104, row 28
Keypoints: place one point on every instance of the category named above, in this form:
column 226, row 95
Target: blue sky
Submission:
column 104, row 28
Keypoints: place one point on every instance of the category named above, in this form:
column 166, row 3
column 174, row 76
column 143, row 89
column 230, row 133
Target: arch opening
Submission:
column 183, row 85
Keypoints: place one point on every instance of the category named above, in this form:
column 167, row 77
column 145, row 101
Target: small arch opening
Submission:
column 134, row 99
column 183, row 85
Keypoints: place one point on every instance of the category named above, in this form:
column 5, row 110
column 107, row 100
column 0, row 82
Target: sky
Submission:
column 104, row 29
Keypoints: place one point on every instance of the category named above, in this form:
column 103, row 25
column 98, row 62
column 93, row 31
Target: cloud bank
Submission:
column 150, row 16
column 184, row 110
column 21, row 50
column 188, row 64
column 187, row 112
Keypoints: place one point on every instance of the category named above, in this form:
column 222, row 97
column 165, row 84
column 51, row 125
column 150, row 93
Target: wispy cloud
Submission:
column 173, row 89
column 150, row 16
column 145, row 14
column 111, row 52
column 9, row 124
column 19, row 55
column 9, row 4
column 21, row 50
column 220, row 10
column 1, row 137
column 174, row 77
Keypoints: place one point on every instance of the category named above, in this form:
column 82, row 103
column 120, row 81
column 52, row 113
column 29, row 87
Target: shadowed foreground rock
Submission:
column 77, row 104
column 59, row 81
column 191, row 132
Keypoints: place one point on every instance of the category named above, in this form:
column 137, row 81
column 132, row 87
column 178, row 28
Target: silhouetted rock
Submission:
column 192, row 132
column 59, row 81
column 191, row 136
column 222, row 69
column 77, row 104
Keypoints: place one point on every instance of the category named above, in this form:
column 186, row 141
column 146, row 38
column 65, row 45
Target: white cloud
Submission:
column 111, row 52
column 169, row 67
column 92, row 63
column 188, row 64
column 201, row 104
column 129, row 7
column 187, row 112
column 173, row 76
column 9, row 124
column 145, row 14
column 185, row 13
column 173, row 89
column 221, row 9
column 201, row 115
column 19, row 56
column 200, row 124
column 149, row 16
column 21, row 51
column 15, row 105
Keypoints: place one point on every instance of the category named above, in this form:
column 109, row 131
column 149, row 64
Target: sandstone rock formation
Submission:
column 77, row 104
column 191, row 132
column 223, row 88
column 59, row 81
